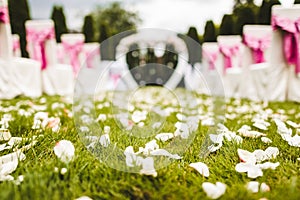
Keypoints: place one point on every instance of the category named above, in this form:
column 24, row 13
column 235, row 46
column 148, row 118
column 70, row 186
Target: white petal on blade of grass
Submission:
column 150, row 146
column 15, row 156
column 293, row 124
column 104, row 140
column 6, row 178
column 64, row 150
column 214, row 191
column 148, row 167
column 264, row 187
column 84, row 198
column 131, row 157
column 163, row 152
column 180, row 117
column 260, row 155
column 246, row 156
column 164, row 136
column 266, row 140
column 2, row 147
column 252, row 170
column 271, row 152
column 253, row 186
column 4, row 134
column 294, row 141
column 201, row 168
column 268, row 165
column 9, row 167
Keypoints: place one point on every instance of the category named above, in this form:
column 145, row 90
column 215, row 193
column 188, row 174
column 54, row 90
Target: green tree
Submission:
column 209, row 32
column 264, row 14
column 116, row 18
column 245, row 15
column 227, row 25
column 59, row 19
column 88, row 28
column 19, row 13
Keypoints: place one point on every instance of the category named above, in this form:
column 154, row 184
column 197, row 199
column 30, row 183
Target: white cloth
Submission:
column 255, row 76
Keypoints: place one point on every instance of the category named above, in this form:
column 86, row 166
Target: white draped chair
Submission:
column 18, row 76
column 256, row 61
column 231, row 50
column 285, row 65
column 16, row 45
column 73, row 50
column 211, row 69
column 57, row 79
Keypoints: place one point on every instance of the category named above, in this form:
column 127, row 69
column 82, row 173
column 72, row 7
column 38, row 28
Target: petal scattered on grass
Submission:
column 201, row 168
column 214, row 191
column 64, row 150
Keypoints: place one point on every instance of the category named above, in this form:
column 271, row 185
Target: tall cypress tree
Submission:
column 227, row 25
column 245, row 15
column 264, row 14
column 209, row 32
column 88, row 28
column 19, row 13
column 59, row 19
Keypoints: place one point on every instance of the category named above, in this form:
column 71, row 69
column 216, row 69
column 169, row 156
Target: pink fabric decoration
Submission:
column 4, row 17
column 90, row 54
column 257, row 46
column 38, row 39
column 211, row 57
column 73, row 50
column 228, row 52
column 291, row 30
column 115, row 78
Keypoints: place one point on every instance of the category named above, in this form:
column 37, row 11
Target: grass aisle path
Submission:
column 86, row 176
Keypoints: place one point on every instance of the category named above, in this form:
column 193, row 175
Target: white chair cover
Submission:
column 211, row 69
column 16, row 45
column 256, row 61
column 285, row 82
column 231, row 65
column 73, row 50
column 57, row 79
column 18, row 76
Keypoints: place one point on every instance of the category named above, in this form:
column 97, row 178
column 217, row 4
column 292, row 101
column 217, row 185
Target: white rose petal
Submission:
column 163, row 152
column 4, row 135
column 64, row 150
column 84, row 198
column 246, row 156
column 148, row 167
column 104, row 140
column 264, row 187
column 253, row 186
column 63, row 171
column 164, row 136
column 201, row 168
column 266, row 140
column 268, row 165
column 214, row 191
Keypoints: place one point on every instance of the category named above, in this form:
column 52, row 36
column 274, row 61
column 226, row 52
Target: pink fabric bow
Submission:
column 211, row 57
column 4, row 17
column 257, row 46
column 38, row 40
column 228, row 52
column 73, row 50
column 291, row 30
column 90, row 54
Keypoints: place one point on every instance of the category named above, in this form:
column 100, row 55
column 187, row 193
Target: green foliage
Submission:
column 245, row 15
column 88, row 28
column 209, row 32
column 19, row 13
column 264, row 15
column 116, row 18
column 59, row 19
column 227, row 25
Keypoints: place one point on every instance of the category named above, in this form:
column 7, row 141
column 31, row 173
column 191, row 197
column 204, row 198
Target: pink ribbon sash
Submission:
column 257, row 46
column 291, row 30
column 211, row 58
column 90, row 54
column 228, row 52
column 38, row 40
column 73, row 50
column 4, row 17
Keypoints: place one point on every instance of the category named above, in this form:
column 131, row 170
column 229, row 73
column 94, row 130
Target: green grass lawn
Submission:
column 92, row 177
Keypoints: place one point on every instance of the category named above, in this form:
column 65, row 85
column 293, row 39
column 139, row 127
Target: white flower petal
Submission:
column 254, row 172
column 163, row 152
column 246, row 156
column 84, row 198
column 264, row 187
column 253, row 186
column 148, row 167
column 64, row 150
column 201, row 168
column 4, row 135
column 104, row 140
column 268, row 165
column 271, row 152
column 266, row 140
column 164, row 136
column 214, row 191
